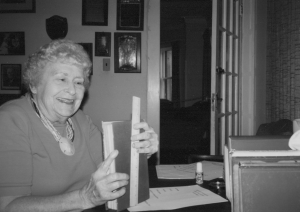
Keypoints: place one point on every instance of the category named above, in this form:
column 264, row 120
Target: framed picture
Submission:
column 130, row 15
column 95, row 12
column 88, row 47
column 17, row 6
column 12, row 43
column 102, row 44
column 11, row 76
column 127, row 52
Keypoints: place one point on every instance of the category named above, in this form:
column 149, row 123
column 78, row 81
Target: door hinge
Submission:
column 241, row 7
column 220, row 70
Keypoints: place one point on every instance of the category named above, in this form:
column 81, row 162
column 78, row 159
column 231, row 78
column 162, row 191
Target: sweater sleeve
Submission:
column 15, row 153
column 294, row 142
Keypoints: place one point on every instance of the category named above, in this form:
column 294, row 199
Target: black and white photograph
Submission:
column 102, row 44
column 12, row 43
column 10, row 76
column 127, row 52
column 95, row 12
column 17, row 6
column 130, row 15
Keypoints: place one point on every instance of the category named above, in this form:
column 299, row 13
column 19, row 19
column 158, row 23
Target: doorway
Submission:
column 185, row 79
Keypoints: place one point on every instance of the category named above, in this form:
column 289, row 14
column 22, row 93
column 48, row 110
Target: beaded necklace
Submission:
column 66, row 144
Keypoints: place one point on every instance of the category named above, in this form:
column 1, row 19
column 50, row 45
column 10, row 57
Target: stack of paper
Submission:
column 170, row 198
column 211, row 171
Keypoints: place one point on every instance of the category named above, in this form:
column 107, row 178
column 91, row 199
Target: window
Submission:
column 166, row 74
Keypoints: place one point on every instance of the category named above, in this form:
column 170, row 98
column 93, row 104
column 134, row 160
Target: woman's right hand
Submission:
column 102, row 186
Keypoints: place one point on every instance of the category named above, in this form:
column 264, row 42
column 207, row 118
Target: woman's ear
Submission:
column 33, row 89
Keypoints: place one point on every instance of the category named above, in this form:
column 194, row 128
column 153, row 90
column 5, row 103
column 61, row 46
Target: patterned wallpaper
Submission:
column 283, row 60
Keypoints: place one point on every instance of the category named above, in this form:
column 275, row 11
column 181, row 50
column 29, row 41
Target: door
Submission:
column 224, row 73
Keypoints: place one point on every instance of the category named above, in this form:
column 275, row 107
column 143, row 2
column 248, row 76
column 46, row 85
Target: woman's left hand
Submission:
column 147, row 141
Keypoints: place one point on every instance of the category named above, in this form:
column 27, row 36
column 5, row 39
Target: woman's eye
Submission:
column 62, row 79
column 79, row 83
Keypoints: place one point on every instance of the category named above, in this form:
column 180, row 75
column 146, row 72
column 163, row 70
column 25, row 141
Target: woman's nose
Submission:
column 71, row 88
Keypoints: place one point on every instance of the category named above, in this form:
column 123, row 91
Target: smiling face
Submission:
column 60, row 92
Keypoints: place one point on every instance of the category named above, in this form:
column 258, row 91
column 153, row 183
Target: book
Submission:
column 116, row 135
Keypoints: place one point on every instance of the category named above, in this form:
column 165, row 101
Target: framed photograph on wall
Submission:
column 127, row 48
column 11, row 76
column 95, row 12
column 17, row 6
column 12, row 43
column 130, row 15
column 88, row 47
column 102, row 44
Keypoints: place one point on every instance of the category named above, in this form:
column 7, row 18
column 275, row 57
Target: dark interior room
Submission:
column 185, row 109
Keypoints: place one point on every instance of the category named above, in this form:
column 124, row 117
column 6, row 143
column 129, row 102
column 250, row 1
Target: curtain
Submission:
column 283, row 60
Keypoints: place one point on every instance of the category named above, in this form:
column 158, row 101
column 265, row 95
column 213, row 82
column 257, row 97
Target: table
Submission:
column 155, row 182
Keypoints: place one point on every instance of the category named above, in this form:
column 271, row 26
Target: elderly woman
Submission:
column 50, row 151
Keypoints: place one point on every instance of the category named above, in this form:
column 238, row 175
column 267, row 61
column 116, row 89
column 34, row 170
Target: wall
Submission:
column 194, row 27
column 253, row 67
column 109, row 97
column 260, row 115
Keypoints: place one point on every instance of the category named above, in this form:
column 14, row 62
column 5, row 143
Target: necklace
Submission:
column 65, row 143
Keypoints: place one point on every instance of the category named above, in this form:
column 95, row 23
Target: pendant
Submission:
column 66, row 146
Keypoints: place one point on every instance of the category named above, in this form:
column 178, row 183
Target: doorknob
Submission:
column 207, row 98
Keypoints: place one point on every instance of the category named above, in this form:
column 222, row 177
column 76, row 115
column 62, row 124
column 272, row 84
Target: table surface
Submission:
column 155, row 182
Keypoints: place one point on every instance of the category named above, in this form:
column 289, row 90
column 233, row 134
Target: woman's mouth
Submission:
column 66, row 101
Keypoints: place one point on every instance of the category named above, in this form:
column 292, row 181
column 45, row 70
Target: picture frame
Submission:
column 17, row 6
column 127, row 52
column 11, row 77
column 95, row 12
column 12, row 43
column 88, row 47
column 130, row 15
column 103, row 44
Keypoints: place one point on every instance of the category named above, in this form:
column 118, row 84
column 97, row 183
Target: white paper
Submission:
column 266, row 153
column 211, row 170
column 169, row 198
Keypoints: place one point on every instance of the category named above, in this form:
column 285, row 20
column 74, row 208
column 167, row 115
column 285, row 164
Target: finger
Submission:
column 117, row 193
column 149, row 146
column 141, row 125
column 142, row 144
column 107, row 162
column 118, row 184
column 149, row 150
column 142, row 136
column 111, row 183
column 99, row 195
column 114, row 177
